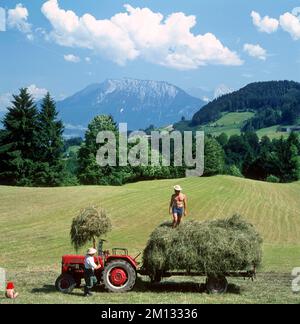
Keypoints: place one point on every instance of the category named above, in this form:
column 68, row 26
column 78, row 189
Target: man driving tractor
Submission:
column 178, row 206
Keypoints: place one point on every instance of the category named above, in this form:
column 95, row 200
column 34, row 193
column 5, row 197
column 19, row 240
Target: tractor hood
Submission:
column 73, row 259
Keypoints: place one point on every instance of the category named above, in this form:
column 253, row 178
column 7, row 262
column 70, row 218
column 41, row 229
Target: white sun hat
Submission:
column 177, row 188
column 91, row 251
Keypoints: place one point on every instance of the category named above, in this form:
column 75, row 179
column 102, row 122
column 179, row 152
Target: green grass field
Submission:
column 231, row 123
column 234, row 119
column 35, row 224
column 272, row 132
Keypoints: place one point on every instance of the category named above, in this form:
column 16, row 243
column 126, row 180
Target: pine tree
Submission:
column 51, row 132
column 19, row 142
column 50, row 166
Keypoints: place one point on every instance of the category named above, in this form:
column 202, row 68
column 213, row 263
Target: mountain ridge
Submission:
column 140, row 103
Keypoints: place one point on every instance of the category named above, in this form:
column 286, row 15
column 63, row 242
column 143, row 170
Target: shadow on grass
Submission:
column 145, row 286
column 46, row 289
column 184, row 287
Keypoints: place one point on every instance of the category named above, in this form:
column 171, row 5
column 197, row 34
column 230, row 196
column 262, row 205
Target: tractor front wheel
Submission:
column 65, row 283
column 119, row 276
column 216, row 284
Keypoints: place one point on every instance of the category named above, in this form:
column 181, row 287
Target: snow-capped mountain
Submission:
column 140, row 103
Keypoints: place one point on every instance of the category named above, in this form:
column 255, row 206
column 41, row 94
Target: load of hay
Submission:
column 212, row 247
column 90, row 223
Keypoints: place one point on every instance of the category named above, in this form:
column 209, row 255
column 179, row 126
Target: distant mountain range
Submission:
column 140, row 103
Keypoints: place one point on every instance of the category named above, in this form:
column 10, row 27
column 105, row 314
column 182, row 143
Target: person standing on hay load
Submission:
column 178, row 206
column 89, row 271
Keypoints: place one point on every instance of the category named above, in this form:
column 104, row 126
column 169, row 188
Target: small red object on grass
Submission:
column 10, row 285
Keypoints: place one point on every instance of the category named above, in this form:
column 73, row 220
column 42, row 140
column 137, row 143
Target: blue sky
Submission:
column 215, row 44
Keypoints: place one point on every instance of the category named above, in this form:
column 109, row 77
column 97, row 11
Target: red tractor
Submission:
column 117, row 273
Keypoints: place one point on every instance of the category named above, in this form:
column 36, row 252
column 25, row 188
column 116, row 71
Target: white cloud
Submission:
column 256, row 51
column 221, row 90
column 139, row 33
column 18, row 19
column 37, row 93
column 72, row 58
column 291, row 24
column 266, row 24
column 88, row 59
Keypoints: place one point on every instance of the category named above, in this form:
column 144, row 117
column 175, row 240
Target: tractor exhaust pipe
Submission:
column 137, row 256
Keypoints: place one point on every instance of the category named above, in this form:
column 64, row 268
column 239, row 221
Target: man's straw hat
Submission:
column 91, row 251
column 177, row 188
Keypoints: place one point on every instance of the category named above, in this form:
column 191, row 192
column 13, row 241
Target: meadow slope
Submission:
column 35, row 224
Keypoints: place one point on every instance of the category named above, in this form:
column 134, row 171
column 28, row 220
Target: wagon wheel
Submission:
column 216, row 284
column 156, row 278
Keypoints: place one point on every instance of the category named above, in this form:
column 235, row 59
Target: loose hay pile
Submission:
column 91, row 223
column 211, row 247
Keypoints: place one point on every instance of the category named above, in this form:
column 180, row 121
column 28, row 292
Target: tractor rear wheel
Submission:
column 119, row 276
column 65, row 283
column 216, row 284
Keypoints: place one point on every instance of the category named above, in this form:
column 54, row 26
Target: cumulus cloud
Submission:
column 6, row 98
column 139, row 33
column 256, row 51
column 72, row 58
column 291, row 23
column 36, row 92
column 18, row 19
column 266, row 24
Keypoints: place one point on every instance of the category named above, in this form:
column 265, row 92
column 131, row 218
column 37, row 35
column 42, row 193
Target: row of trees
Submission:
column 32, row 152
column 246, row 155
column 90, row 173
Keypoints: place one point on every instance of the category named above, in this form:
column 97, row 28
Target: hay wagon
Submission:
column 215, row 249
column 119, row 271
column 212, row 249
column 215, row 284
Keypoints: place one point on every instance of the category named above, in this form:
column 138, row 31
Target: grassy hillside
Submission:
column 258, row 97
column 272, row 132
column 233, row 119
column 35, row 223
column 231, row 124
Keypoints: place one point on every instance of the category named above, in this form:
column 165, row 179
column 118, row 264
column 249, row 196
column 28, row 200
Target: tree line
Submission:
column 274, row 102
column 246, row 155
column 33, row 152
